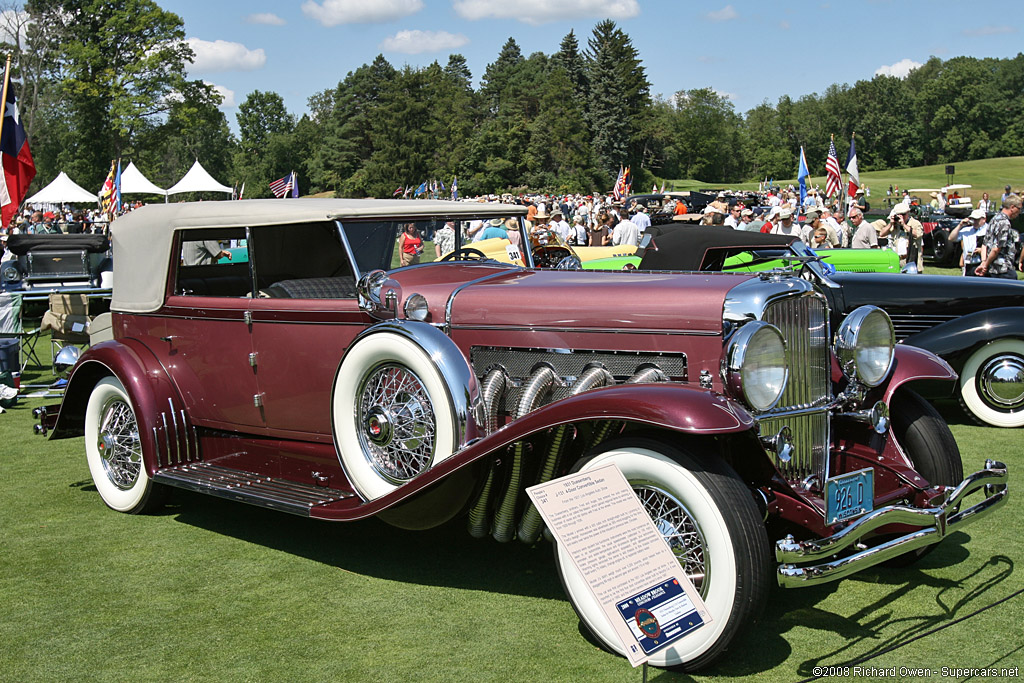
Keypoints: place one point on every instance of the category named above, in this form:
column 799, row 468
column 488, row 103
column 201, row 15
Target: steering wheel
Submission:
column 548, row 255
column 465, row 254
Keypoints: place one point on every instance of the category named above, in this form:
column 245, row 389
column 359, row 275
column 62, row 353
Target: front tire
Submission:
column 114, row 451
column 992, row 384
column 925, row 438
column 711, row 523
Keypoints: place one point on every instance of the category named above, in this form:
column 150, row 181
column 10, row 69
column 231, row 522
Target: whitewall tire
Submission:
column 992, row 384
column 711, row 521
column 391, row 412
column 114, row 451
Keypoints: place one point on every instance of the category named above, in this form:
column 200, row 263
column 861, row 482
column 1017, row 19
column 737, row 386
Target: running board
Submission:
column 248, row 487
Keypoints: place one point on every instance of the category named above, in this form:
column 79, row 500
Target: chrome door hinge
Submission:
column 253, row 358
column 247, row 317
column 257, row 400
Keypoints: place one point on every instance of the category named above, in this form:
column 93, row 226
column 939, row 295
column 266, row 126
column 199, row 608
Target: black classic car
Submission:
column 975, row 324
column 56, row 262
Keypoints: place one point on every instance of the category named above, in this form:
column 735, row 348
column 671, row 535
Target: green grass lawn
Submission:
column 983, row 175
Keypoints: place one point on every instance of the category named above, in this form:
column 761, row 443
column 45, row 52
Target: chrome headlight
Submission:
column 10, row 272
column 416, row 307
column 865, row 345
column 756, row 370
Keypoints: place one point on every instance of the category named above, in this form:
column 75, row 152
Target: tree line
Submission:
column 104, row 79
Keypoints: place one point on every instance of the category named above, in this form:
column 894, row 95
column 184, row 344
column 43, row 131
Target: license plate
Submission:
column 849, row 495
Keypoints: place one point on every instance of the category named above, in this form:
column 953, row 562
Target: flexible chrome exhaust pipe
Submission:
column 495, row 386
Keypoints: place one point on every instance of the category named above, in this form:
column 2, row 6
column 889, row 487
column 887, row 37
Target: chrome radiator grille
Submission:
column 803, row 321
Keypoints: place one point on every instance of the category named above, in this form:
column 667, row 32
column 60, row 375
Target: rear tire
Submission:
column 711, row 522
column 114, row 451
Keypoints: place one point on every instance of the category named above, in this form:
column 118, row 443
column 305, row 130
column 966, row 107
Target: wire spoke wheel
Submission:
column 398, row 425
column 680, row 530
column 119, row 445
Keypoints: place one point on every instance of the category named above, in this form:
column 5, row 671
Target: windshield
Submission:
column 389, row 244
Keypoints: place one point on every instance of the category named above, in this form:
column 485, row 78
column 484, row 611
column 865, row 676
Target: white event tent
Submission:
column 62, row 190
column 198, row 180
column 133, row 182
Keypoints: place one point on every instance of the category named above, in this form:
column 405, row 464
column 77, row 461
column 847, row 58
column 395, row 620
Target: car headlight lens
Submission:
column 10, row 273
column 756, row 367
column 416, row 307
column 865, row 345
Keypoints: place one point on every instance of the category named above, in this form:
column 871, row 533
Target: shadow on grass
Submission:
column 444, row 556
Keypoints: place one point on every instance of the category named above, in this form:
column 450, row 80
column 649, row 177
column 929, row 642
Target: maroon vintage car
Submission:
column 317, row 377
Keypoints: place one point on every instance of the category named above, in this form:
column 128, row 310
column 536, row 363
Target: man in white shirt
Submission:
column 626, row 232
column 786, row 225
column 732, row 220
column 559, row 226
column 640, row 219
column 969, row 233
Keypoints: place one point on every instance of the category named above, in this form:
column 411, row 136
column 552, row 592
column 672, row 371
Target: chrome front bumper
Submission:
column 933, row 525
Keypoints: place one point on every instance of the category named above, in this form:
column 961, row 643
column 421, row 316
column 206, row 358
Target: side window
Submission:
column 213, row 262
column 302, row 261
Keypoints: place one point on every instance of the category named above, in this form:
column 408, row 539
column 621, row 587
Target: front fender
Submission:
column 153, row 395
column 957, row 339
column 674, row 407
column 912, row 364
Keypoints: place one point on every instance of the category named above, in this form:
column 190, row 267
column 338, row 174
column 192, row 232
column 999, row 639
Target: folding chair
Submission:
column 11, row 326
column 68, row 319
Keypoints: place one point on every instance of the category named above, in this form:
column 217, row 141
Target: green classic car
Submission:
column 716, row 248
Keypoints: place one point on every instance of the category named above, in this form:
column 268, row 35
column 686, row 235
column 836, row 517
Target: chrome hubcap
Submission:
column 397, row 425
column 680, row 530
column 118, row 444
column 1001, row 381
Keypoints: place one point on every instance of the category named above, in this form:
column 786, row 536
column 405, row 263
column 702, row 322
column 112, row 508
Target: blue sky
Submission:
column 749, row 51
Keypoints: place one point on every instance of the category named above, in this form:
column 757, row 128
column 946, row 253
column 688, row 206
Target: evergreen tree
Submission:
column 619, row 98
column 570, row 59
column 498, row 73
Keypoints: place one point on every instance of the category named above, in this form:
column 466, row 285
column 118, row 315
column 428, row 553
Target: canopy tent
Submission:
column 198, row 180
column 133, row 182
column 62, row 189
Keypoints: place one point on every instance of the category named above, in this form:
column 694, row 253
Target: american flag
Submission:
column 832, row 178
column 282, row 186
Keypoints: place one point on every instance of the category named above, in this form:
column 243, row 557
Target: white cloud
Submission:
column 266, row 18
column 222, row 55
column 725, row 14
column 227, row 95
column 900, row 69
column 726, row 95
column 416, row 41
column 989, row 31
column 536, row 12
column 334, row 12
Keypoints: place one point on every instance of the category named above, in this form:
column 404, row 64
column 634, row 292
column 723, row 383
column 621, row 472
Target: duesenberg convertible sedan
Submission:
column 316, row 378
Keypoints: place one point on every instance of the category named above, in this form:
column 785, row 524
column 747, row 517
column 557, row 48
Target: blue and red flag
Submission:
column 19, row 168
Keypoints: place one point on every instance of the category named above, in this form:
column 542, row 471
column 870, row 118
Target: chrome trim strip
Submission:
column 156, row 446
column 934, row 524
column 455, row 292
column 177, row 432
column 577, row 330
column 184, row 429
column 167, row 436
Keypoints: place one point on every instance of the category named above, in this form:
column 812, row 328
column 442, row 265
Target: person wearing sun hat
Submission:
column 969, row 233
column 907, row 234
column 786, row 225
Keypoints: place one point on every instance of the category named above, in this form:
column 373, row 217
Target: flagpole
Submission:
column 3, row 97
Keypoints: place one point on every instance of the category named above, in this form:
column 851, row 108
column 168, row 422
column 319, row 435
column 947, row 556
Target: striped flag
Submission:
column 281, row 186
column 851, row 169
column 617, row 188
column 833, row 179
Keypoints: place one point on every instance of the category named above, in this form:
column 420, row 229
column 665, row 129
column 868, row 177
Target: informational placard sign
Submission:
column 623, row 558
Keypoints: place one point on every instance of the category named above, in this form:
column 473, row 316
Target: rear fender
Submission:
column 912, row 364
column 957, row 339
column 153, row 395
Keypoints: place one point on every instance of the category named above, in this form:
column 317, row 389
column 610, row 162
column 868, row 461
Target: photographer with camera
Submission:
column 907, row 235
column 969, row 233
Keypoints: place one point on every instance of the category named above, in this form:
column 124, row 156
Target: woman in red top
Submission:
column 411, row 245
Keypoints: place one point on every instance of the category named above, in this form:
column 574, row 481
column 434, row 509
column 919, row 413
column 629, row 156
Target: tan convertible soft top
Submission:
column 142, row 239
